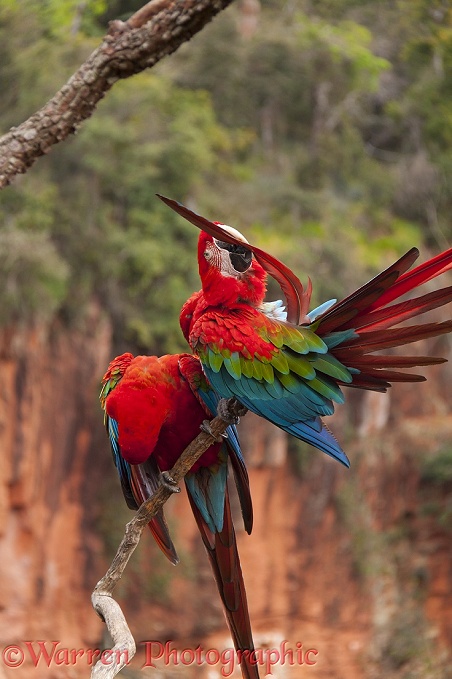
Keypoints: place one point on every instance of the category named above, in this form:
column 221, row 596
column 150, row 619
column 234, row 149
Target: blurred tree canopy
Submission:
column 325, row 134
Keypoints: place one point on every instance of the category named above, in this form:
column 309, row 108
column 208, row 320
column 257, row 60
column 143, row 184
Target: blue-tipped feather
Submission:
column 318, row 311
column 335, row 338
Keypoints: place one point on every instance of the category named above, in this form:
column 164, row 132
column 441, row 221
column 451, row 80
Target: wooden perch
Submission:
column 109, row 610
column 154, row 31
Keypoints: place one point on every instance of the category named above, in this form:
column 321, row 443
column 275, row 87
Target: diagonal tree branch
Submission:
column 108, row 609
column 154, row 31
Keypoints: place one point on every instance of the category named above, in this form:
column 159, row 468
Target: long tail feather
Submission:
column 364, row 297
column 369, row 383
column 384, row 339
column 394, row 361
column 421, row 274
column 393, row 375
column 367, row 313
column 395, row 314
column 224, row 559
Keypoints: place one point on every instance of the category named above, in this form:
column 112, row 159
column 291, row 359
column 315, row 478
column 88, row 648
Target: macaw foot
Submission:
column 207, row 429
column 230, row 410
column 168, row 482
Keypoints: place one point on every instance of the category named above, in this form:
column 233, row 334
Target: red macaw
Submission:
column 154, row 407
column 292, row 372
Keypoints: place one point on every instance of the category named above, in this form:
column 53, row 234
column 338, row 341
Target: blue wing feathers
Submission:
column 322, row 439
column 333, row 339
column 296, row 413
column 122, row 466
column 323, row 308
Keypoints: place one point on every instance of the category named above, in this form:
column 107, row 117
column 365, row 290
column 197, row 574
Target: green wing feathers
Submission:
column 278, row 356
column 114, row 373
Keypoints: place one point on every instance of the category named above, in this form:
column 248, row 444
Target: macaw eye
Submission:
column 208, row 254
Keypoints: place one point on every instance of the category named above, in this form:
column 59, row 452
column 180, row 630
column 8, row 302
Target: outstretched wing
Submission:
column 138, row 482
column 281, row 372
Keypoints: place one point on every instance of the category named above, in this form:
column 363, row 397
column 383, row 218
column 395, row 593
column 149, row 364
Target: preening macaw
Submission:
column 154, row 408
column 291, row 370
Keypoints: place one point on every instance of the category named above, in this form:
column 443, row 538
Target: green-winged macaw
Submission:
column 154, row 407
column 291, row 368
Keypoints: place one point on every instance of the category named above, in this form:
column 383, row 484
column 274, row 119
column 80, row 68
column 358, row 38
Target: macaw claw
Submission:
column 230, row 410
column 168, row 482
column 207, row 429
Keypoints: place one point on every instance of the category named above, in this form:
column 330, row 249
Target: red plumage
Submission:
column 157, row 413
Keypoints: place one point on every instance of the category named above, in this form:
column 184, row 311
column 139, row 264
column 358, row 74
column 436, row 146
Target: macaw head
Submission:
column 228, row 271
column 297, row 298
column 232, row 259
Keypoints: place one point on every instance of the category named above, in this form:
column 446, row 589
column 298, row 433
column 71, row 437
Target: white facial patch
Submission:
column 226, row 267
column 220, row 259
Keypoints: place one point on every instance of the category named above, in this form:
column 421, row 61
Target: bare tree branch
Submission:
column 109, row 610
column 154, row 31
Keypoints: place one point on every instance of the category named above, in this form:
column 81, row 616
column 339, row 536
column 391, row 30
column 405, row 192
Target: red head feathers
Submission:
column 228, row 272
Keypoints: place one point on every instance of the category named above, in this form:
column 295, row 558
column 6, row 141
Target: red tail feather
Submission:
column 383, row 339
column 421, row 274
column 224, row 559
column 144, row 482
column 366, row 296
column 369, row 383
column 366, row 312
column 363, row 361
column 392, row 315
column 393, row 376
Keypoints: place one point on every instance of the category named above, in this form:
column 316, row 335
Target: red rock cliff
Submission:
column 49, row 430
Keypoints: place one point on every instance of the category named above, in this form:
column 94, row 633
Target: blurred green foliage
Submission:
column 437, row 469
column 325, row 136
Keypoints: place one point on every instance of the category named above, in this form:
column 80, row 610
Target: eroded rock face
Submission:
column 49, row 424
